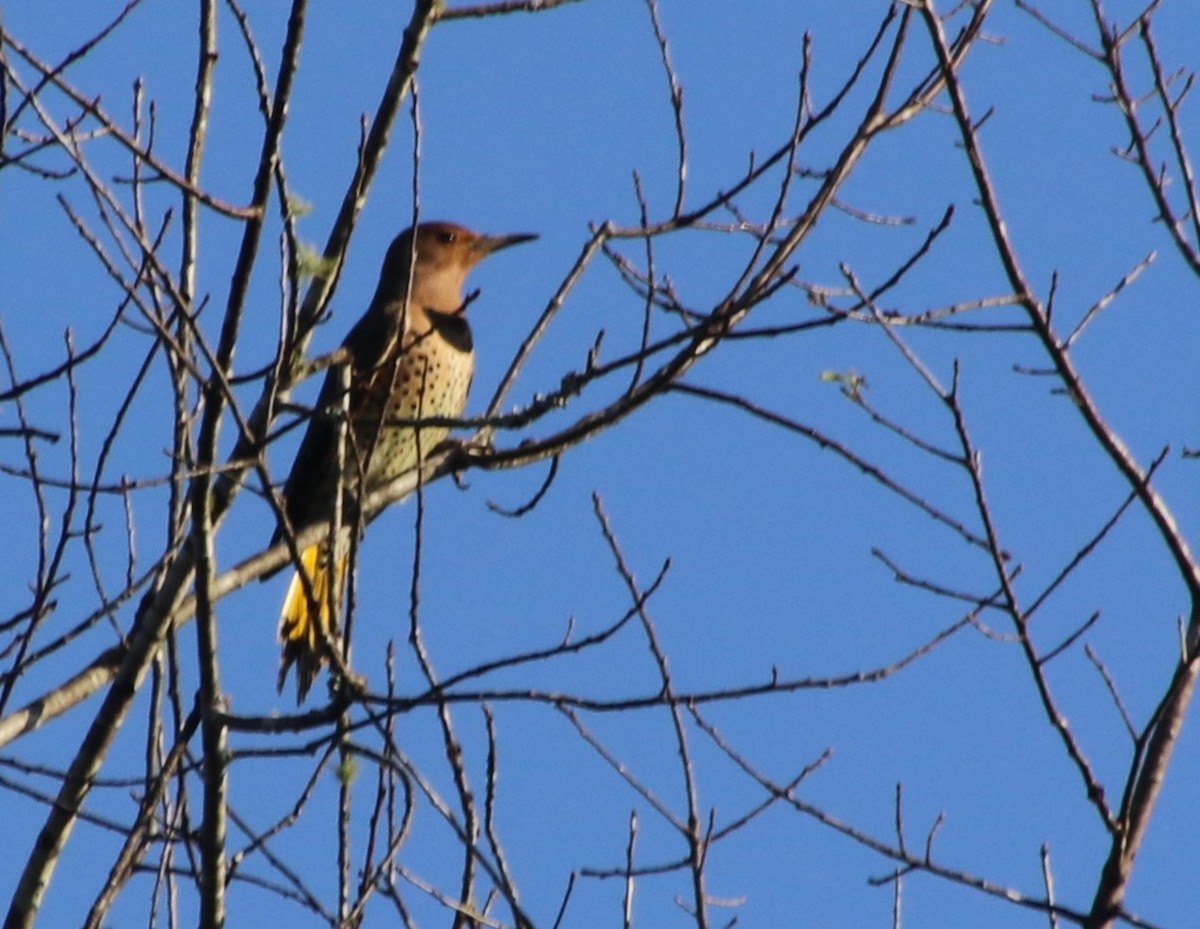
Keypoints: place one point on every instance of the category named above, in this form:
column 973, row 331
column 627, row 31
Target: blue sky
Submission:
column 536, row 123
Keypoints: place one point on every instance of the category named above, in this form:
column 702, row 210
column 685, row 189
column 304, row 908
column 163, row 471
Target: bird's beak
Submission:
column 486, row 244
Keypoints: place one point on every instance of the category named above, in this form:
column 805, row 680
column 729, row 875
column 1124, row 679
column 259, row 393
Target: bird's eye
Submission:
column 447, row 237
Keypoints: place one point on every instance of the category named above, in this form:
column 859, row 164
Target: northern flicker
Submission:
column 411, row 358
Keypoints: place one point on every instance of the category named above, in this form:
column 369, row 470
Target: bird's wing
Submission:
column 309, row 490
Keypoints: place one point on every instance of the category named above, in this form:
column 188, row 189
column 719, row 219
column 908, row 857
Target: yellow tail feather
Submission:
column 307, row 636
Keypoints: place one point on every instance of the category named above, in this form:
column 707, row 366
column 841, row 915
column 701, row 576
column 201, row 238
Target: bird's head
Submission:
column 444, row 254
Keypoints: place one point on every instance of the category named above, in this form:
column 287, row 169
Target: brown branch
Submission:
column 697, row 841
column 1146, row 777
column 482, row 10
column 111, row 127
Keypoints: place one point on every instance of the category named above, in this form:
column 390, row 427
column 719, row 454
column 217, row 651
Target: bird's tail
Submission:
column 307, row 633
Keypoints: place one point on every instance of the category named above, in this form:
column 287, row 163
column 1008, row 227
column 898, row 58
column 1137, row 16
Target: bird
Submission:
column 410, row 357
